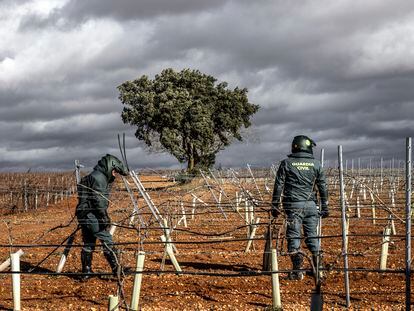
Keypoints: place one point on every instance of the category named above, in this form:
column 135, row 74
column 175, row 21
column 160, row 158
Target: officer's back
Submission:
column 301, row 173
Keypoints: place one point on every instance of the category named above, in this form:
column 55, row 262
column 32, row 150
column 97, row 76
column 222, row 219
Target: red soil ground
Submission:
column 216, row 254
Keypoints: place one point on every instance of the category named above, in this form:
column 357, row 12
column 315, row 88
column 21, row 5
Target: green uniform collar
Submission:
column 301, row 155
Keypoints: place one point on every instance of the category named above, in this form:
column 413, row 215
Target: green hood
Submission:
column 109, row 163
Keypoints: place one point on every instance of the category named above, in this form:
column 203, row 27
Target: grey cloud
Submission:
column 57, row 146
column 13, row 2
column 80, row 92
column 130, row 9
column 37, row 22
column 71, row 133
column 61, row 159
column 304, row 66
column 44, row 109
column 78, row 11
column 299, row 49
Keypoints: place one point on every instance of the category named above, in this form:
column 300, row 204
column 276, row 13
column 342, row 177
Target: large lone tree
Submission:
column 186, row 113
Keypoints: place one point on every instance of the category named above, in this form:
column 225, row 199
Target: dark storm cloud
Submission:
column 340, row 74
column 91, row 130
column 131, row 9
column 44, row 109
column 276, row 35
column 78, row 11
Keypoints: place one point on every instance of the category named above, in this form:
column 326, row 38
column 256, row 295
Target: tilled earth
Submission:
column 210, row 244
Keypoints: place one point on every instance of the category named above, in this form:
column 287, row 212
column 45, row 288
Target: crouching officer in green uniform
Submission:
column 296, row 180
column 92, row 212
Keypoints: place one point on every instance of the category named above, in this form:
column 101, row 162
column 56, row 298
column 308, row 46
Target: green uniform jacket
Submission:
column 93, row 192
column 296, row 179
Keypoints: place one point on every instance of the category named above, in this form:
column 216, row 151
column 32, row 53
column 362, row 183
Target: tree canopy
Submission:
column 187, row 113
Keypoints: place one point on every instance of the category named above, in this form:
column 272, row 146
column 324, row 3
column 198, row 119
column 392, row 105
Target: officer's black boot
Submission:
column 86, row 259
column 111, row 256
column 297, row 260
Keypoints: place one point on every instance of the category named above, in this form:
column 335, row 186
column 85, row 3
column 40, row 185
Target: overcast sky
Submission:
column 341, row 72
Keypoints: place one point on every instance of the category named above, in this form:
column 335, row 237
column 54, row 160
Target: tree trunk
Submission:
column 190, row 164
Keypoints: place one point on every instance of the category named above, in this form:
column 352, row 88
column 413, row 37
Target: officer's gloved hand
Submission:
column 324, row 211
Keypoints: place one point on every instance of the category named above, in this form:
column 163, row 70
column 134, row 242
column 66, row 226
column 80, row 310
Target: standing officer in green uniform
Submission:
column 295, row 186
column 92, row 212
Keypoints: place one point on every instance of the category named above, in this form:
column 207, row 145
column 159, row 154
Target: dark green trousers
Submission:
column 92, row 230
column 300, row 215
